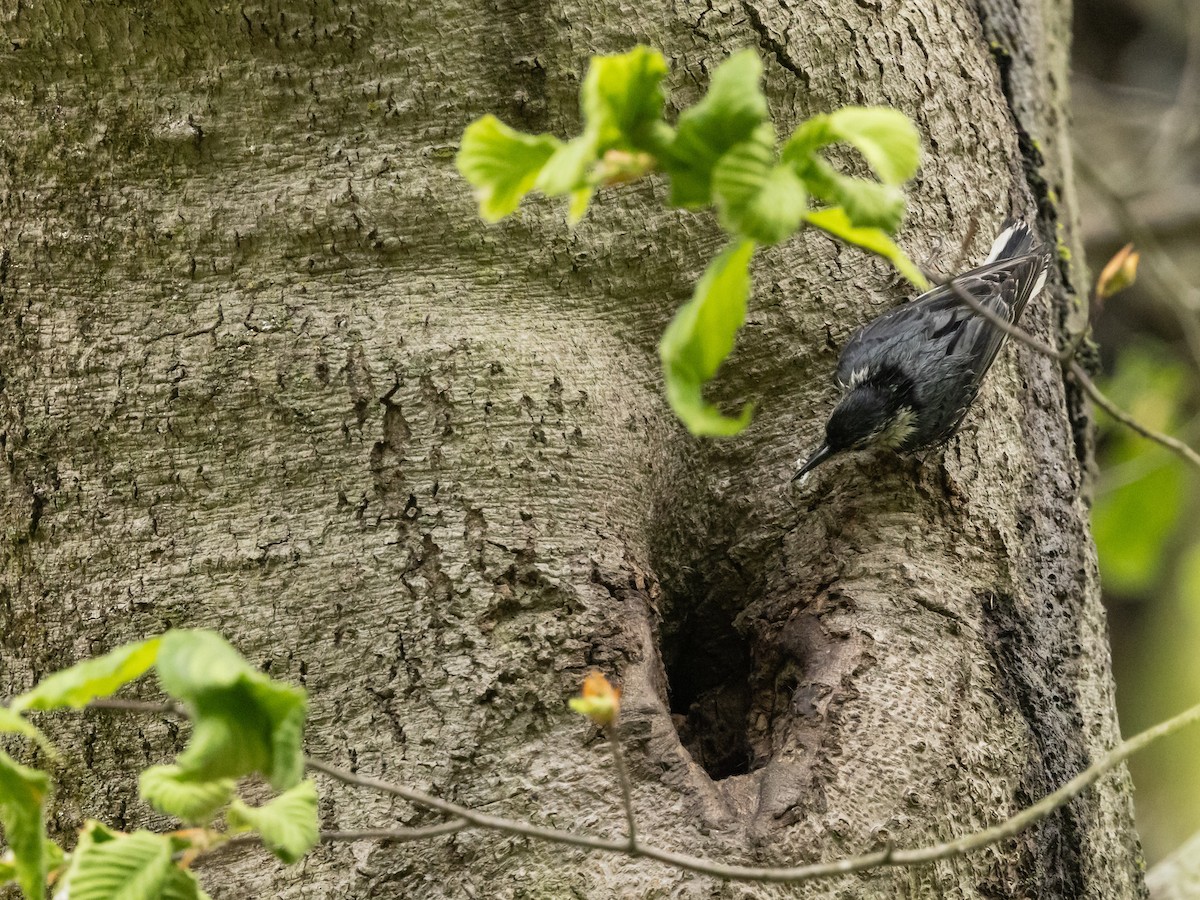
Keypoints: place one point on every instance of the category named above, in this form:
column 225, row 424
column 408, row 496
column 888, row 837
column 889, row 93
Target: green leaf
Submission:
column 287, row 712
column 1140, row 498
column 55, row 856
column 887, row 139
column 835, row 222
column 701, row 417
column 622, row 98
column 242, row 720
column 569, row 169
column 1132, row 524
column 14, row 723
column 728, row 114
column 622, row 102
column 177, row 884
column 287, row 824
column 501, row 164
column 182, row 885
column 91, row 833
column 94, row 832
column 23, row 793
column 9, row 871
column 889, row 142
column 700, row 337
column 108, row 866
column 83, row 682
column 177, row 793
column 622, row 105
column 868, row 204
column 756, row 198
column 580, row 200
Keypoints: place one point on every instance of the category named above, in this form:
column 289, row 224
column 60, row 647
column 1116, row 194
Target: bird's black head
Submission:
column 870, row 415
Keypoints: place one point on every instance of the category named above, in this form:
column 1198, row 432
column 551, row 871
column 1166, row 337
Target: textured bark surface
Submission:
column 264, row 371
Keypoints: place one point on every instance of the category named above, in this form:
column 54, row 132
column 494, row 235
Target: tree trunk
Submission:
column 266, row 372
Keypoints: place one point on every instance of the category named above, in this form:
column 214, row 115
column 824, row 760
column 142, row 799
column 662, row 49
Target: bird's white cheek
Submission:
column 898, row 430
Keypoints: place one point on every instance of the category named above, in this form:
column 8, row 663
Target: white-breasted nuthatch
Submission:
column 911, row 375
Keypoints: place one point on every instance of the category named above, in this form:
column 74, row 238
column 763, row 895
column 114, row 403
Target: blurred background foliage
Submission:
column 1136, row 112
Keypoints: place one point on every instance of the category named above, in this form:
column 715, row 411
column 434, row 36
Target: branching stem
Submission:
column 614, row 741
column 888, row 856
column 1066, row 357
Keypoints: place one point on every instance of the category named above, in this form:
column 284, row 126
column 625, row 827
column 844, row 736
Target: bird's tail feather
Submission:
column 1016, row 239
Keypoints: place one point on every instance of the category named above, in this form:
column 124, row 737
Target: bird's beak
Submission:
column 822, row 453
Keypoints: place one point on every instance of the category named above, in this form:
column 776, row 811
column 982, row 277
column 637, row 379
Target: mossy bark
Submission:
column 265, row 371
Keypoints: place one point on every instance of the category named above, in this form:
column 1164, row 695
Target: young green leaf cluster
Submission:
column 722, row 152
column 242, row 723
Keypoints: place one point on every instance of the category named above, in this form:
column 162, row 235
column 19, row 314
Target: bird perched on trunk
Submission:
column 911, row 375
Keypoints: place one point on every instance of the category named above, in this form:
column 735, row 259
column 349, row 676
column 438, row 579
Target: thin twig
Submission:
column 138, row 706
column 224, row 843
column 396, row 835
column 481, row 820
column 1015, row 332
column 465, row 817
column 1160, row 267
column 888, row 856
column 1180, row 117
column 1171, row 278
column 1172, row 444
column 614, row 741
column 1066, row 357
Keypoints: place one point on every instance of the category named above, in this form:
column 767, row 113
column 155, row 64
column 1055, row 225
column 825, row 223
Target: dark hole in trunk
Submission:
column 708, row 673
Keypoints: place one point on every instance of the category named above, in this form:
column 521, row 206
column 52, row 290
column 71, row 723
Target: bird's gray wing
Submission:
column 941, row 333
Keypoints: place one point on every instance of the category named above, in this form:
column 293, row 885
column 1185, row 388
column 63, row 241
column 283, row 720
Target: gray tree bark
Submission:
column 264, row 371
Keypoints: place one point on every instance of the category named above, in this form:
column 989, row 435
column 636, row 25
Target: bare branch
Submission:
column 1177, row 126
column 223, row 842
column 1013, row 331
column 1066, row 357
column 138, row 706
column 1168, row 279
column 1174, row 445
column 481, row 820
column 464, row 817
column 396, row 835
column 614, row 741
column 888, row 856
column 1174, row 283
